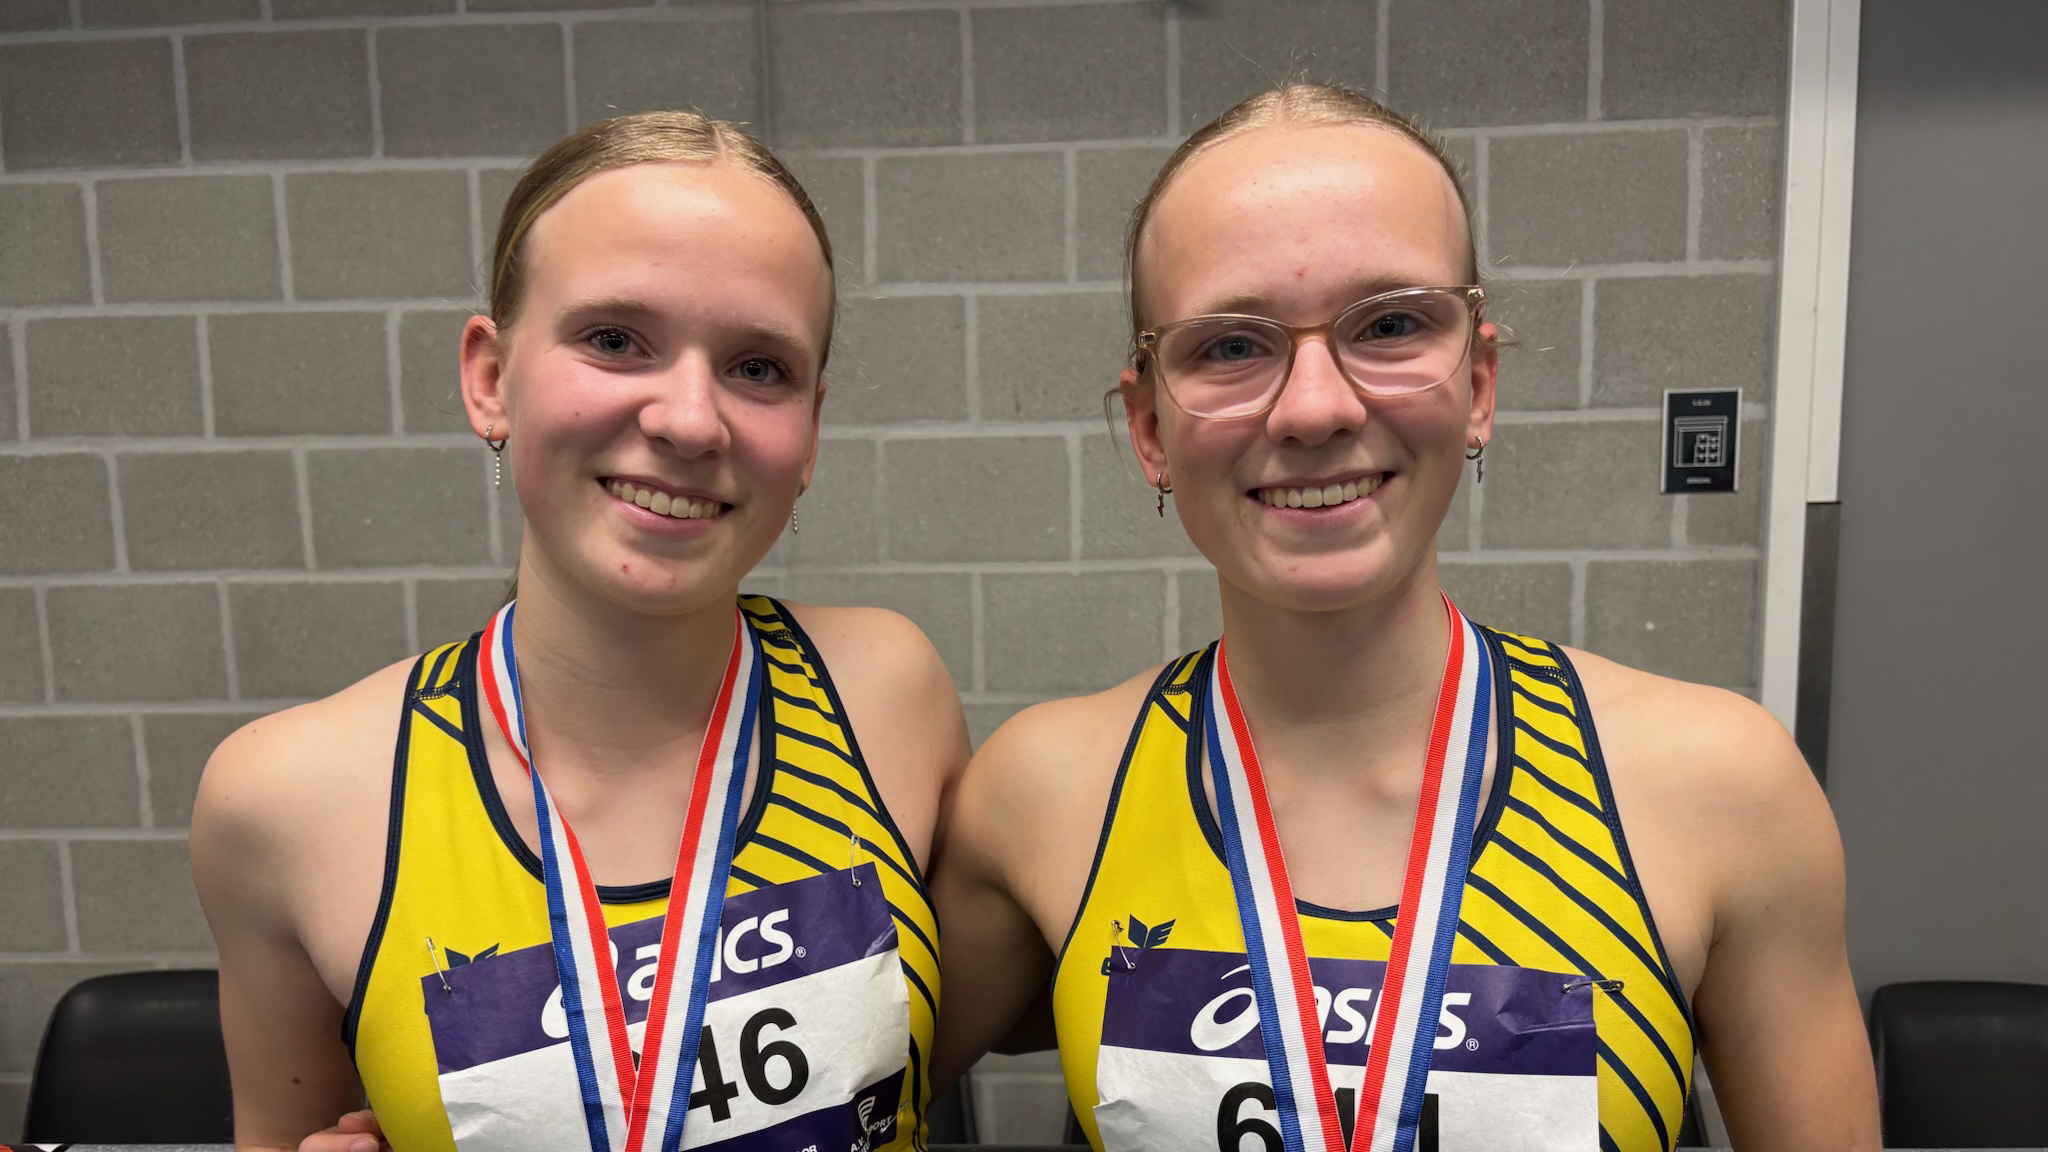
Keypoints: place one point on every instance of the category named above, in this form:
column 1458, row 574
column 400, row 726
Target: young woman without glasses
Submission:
column 492, row 929
column 1364, row 867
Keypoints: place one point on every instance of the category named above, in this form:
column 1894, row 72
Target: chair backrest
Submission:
column 133, row 1059
column 1962, row 1064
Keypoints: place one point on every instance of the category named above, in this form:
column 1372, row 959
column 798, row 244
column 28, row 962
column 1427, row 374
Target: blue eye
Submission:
column 610, row 341
column 1391, row 326
column 1233, row 348
column 761, row 370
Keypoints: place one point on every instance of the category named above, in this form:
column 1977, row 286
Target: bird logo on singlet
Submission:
column 1139, row 935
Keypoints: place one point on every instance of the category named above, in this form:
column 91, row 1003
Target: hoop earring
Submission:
column 1478, row 456
column 1165, row 490
column 497, row 448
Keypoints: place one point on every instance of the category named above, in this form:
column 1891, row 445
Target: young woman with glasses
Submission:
column 457, row 884
column 1364, row 873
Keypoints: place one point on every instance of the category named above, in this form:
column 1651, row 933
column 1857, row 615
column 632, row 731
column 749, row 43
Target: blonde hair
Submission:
column 641, row 138
column 1299, row 103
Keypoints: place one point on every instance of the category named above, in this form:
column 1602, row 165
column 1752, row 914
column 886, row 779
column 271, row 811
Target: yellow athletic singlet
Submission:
column 1551, row 888
column 819, row 871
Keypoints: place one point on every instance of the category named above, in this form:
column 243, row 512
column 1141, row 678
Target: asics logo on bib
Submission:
column 1232, row 1015
column 753, row 944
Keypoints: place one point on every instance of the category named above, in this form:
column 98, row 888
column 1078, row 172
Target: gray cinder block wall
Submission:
column 238, row 238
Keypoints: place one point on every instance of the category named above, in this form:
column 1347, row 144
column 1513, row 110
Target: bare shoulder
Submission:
column 860, row 642
column 281, row 787
column 1033, row 799
column 1705, row 745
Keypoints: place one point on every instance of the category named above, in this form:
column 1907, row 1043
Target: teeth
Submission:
column 661, row 503
column 1327, row 496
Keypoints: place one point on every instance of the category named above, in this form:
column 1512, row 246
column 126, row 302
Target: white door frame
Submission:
column 1813, row 293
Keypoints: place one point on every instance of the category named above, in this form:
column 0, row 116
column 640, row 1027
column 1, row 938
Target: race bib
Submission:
column 1182, row 1066
column 806, row 1029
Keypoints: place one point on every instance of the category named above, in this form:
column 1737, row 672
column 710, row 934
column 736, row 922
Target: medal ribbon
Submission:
column 1439, row 855
column 629, row 1110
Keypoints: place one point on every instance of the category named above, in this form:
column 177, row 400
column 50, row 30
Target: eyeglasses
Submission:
column 1220, row 367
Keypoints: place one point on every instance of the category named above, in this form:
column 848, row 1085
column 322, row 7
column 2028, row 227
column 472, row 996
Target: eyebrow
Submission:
column 1250, row 303
column 788, row 337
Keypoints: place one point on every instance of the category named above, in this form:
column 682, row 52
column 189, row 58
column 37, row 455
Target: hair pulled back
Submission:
column 641, row 138
column 1299, row 103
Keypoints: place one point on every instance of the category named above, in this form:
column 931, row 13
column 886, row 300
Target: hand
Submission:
column 355, row 1132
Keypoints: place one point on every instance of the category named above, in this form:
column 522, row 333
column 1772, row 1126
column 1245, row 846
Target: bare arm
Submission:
column 290, row 1072
column 1784, row 1034
column 995, row 961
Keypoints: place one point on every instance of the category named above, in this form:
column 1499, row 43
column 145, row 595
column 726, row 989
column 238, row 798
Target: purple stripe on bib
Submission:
column 1493, row 1019
column 511, row 1003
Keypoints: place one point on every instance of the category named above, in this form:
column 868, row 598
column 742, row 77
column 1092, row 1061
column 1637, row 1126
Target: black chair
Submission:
column 950, row 1119
column 1962, row 1064
column 133, row 1059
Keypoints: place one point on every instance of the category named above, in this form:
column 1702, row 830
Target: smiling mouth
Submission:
column 1326, row 496
column 664, row 503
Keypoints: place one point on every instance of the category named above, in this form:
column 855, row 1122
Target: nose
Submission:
column 1316, row 402
column 684, row 410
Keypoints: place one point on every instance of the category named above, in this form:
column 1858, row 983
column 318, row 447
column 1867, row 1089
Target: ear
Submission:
column 817, row 413
column 483, row 377
column 1141, row 417
column 1485, row 379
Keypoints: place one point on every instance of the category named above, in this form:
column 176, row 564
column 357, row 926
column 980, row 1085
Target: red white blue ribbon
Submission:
column 1439, row 855
column 628, row 1109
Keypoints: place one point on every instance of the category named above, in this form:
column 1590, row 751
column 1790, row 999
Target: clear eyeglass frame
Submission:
column 1146, row 353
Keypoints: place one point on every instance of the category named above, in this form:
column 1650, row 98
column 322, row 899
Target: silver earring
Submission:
column 792, row 520
column 1478, row 456
column 497, row 448
column 1165, row 490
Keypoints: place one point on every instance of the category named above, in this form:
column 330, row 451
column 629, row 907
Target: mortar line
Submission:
column 569, row 75
column 120, row 529
column 976, row 627
column 966, row 17
column 181, row 98
column 1383, row 21
column 1071, row 220
column 227, row 643
column 17, row 334
column 90, row 191
column 1482, row 179
column 206, row 421
column 284, row 238
column 1681, row 506
column 764, row 70
column 412, row 614
column 146, row 810
column 473, row 182
column 1596, row 56
column 971, row 342
column 1695, row 160
column 1073, row 495
column 78, row 14
column 869, row 214
column 392, row 371
column 66, row 882
column 266, row 13
column 46, row 651
column 1173, row 82
column 376, row 85
column 1587, row 303
column 878, row 484
column 1578, row 602
column 301, row 480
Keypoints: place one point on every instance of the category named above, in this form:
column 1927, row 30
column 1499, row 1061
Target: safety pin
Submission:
column 438, row 970
column 853, row 856
column 1116, row 933
column 1608, row 986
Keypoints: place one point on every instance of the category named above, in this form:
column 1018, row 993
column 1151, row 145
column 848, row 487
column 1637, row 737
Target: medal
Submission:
column 1439, row 855
column 629, row 1108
